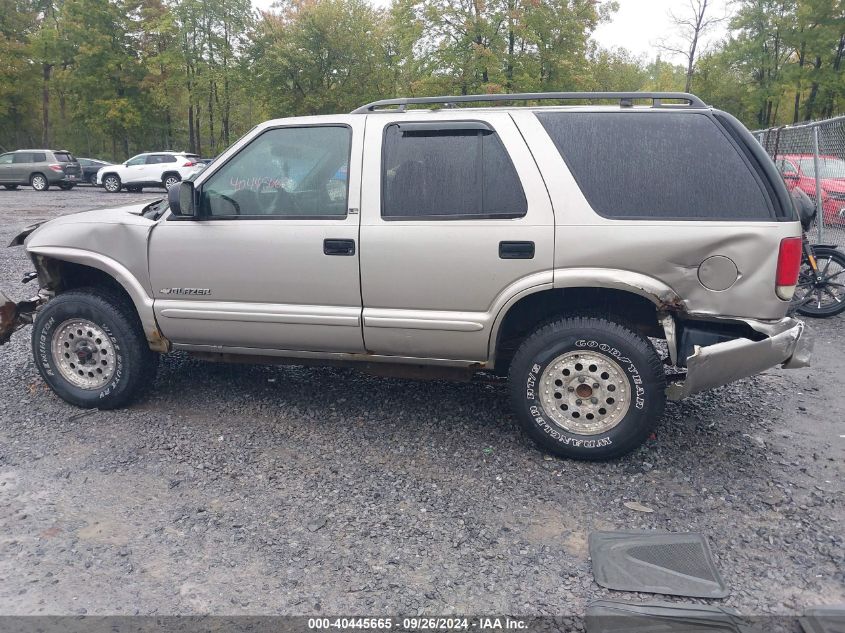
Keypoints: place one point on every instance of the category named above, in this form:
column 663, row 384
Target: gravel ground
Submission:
column 247, row 489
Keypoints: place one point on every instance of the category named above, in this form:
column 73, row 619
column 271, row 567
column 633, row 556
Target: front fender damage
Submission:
column 15, row 315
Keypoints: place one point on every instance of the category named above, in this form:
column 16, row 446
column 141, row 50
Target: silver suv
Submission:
column 39, row 168
column 550, row 244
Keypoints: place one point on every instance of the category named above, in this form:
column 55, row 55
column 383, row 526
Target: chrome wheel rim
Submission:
column 585, row 393
column 111, row 184
column 83, row 354
column 38, row 182
column 170, row 182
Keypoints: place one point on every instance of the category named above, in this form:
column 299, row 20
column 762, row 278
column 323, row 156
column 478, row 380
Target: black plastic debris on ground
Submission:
column 609, row 616
column 656, row 562
column 824, row 619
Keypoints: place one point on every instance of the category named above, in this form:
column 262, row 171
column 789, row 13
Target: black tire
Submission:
column 635, row 364
column 830, row 292
column 39, row 182
column 66, row 187
column 111, row 183
column 11, row 187
column 134, row 189
column 171, row 178
column 133, row 366
column 92, row 180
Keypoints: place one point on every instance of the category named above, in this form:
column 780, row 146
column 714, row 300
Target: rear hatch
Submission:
column 69, row 164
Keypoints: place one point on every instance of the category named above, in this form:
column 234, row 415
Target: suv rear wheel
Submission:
column 111, row 183
column 587, row 388
column 39, row 182
column 169, row 180
column 90, row 348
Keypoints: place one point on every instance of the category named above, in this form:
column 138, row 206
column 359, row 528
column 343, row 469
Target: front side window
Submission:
column 137, row 160
column 6, row 159
column 828, row 167
column 450, row 172
column 285, row 172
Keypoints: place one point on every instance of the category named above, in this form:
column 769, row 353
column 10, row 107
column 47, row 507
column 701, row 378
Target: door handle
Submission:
column 339, row 247
column 516, row 250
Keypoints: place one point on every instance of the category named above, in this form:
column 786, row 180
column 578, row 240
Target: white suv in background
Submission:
column 152, row 169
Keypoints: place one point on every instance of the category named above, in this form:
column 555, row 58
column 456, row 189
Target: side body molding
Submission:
column 143, row 302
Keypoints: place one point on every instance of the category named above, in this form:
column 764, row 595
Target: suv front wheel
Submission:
column 111, row 183
column 587, row 388
column 90, row 348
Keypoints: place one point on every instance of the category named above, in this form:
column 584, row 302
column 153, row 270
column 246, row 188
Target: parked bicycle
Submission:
column 820, row 291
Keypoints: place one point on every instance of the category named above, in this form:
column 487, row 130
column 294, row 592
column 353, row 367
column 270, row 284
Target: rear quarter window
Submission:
column 664, row 165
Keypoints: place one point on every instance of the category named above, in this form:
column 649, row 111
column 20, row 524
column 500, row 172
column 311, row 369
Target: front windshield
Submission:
column 828, row 167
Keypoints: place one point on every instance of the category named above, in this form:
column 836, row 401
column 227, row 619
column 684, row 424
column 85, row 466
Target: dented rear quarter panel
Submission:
column 664, row 255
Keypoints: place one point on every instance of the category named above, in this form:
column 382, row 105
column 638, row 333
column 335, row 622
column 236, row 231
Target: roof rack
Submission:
column 626, row 99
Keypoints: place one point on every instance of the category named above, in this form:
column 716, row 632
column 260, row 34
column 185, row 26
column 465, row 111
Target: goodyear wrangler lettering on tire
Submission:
column 589, row 397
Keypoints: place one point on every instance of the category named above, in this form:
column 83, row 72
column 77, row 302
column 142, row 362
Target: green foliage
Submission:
column 321, row 57
column 111, row 78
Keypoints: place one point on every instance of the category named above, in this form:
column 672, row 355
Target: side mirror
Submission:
column 181, row 198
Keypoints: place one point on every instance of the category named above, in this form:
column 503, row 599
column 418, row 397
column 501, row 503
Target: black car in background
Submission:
column 90, row 167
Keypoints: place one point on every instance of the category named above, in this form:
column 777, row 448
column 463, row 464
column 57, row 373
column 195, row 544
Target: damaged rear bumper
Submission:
column 15, row 315
column 788, row 343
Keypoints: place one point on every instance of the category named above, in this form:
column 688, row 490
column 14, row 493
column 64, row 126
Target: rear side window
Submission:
column 455, row 171
column 63, row 157
column 657, row 166
column 23, row 157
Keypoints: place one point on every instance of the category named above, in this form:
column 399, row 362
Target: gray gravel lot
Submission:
column 248, row 489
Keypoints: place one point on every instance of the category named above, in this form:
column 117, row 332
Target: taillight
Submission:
column 189, row 164
column 55, row 167
column 789, row 265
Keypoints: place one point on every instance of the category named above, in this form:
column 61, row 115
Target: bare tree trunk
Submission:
column 511, row 42
column 227, row 46
column 46, row 70
column 810, row 104
column 797, row 105
column 192, row 142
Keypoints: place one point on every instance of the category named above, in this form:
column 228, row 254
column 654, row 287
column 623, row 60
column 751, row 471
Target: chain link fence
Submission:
column 811, row 157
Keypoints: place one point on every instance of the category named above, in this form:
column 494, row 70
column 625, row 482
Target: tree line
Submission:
column 111, row 78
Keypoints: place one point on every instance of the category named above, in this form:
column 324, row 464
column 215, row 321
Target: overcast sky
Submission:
column 639, row 25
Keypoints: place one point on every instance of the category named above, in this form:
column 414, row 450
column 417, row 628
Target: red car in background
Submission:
column 798, row 170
